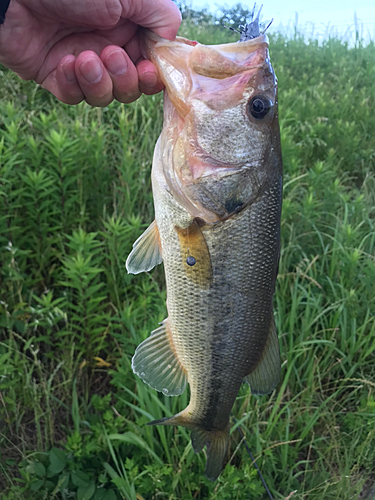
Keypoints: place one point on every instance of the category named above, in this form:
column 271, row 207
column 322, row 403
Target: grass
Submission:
column 75, row 194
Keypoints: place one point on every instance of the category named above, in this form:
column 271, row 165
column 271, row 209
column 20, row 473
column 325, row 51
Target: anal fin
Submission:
column 156, row 363
column 265, row 377
column 146, row 253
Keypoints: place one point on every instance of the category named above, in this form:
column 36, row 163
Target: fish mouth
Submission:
column 246, row 46
column 218, row 62
column 214, row 74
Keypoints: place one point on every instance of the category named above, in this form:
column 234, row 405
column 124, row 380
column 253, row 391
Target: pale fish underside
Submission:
column 217, row 180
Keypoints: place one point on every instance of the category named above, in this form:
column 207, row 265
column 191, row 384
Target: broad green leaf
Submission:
column 39, row 469
column 57, row 460
column 86, row 492
column 110, row 495
column 80, row 479
column 100, row 494
column 104, row 494
column 37, row 485
column 49, row 485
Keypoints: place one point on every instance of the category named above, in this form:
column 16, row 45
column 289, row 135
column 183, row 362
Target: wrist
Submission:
column 4, row 4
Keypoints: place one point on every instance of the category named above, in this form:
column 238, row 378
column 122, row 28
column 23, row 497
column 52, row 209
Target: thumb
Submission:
column 160, row 16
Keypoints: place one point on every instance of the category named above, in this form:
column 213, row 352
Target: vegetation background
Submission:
column 75, row 194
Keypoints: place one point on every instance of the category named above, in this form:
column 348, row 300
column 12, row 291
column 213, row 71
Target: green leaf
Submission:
column 49, row 485
column 37, row 485
column 86, row 492
column 39, row 469
column 57, row 461
column 80, row 479
column 102, row 478
column 110, row 495
column 100, row 494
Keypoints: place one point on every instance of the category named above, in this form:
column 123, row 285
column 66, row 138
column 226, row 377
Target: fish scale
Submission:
column 217, row 184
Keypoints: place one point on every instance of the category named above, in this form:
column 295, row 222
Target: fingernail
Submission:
column 116, row 62
column 149, row 79
column 91, row 71
column 69, row 72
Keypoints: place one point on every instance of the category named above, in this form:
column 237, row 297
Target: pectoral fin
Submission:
column 146, row 253
column 156, row 363
column 265, row 377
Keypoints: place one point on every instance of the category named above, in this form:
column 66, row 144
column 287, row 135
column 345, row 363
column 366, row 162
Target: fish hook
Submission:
column 250, row 30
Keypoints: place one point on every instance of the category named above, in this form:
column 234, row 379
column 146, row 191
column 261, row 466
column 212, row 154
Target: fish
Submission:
column 217, row 189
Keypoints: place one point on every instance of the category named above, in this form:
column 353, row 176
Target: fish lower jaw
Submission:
column 199, row 169
column 219, row 171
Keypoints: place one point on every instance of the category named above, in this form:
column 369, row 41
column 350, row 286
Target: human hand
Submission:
column 86, row 49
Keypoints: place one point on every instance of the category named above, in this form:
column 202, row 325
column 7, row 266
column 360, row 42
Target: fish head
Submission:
column 221, row 134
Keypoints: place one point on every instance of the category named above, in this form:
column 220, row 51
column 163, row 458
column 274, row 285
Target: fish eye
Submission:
column 259, row 106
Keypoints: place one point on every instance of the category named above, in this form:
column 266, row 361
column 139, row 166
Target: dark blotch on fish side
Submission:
column 200, row 222
column 233, row 205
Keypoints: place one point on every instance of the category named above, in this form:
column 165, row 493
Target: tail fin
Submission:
column 217, row 446
column 216, row 442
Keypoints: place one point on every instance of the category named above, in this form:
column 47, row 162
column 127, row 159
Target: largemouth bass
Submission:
column 217, row 185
